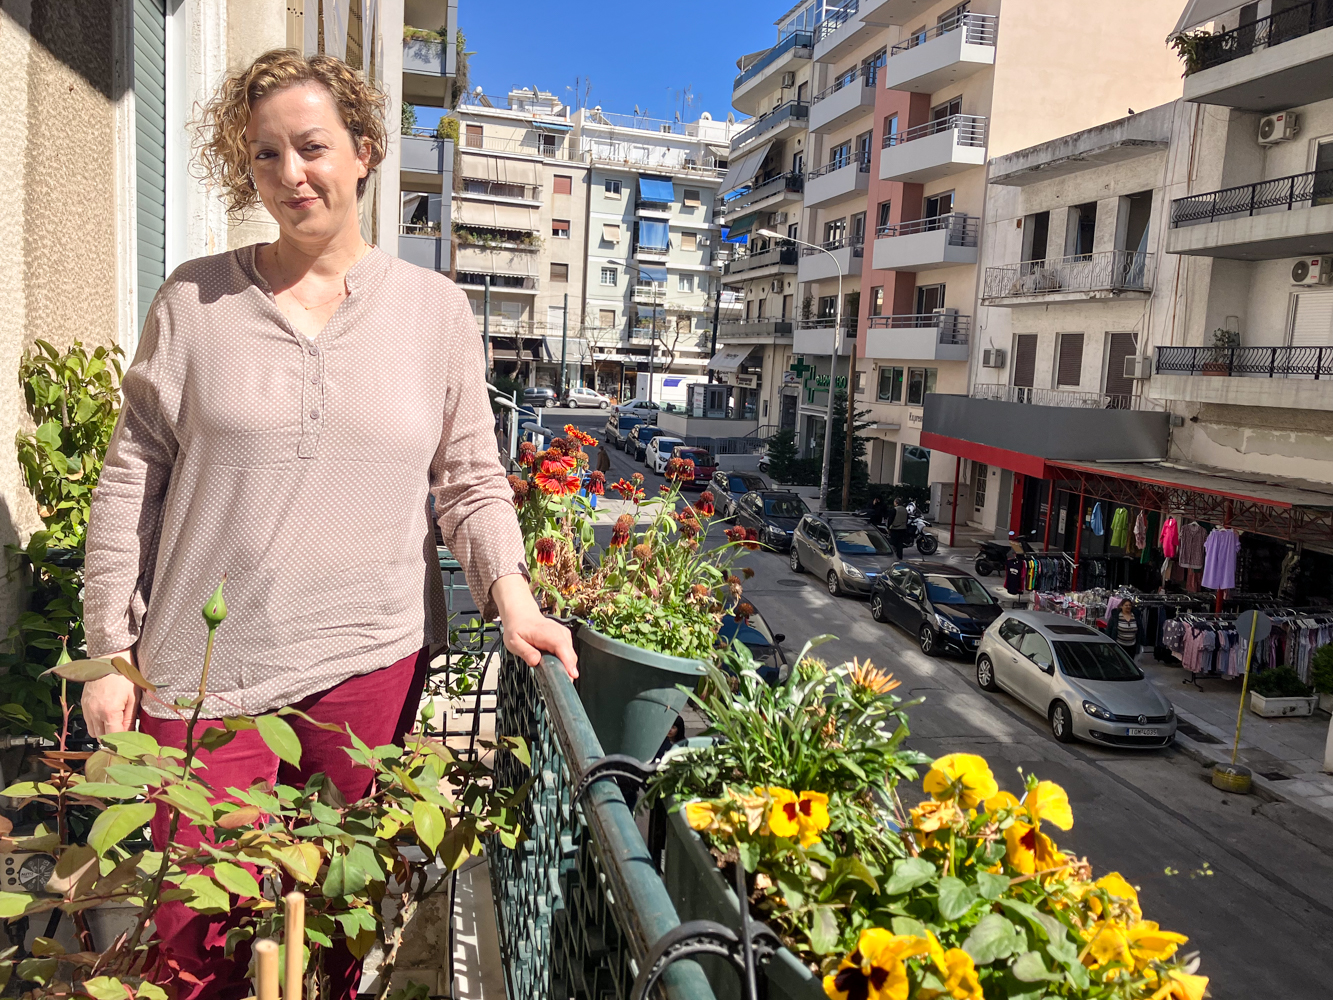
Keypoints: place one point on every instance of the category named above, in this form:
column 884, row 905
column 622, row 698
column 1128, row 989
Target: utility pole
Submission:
column 851, row 428
column 486, row 320
column 717, row 308
column 652, row 342
column 564, row 347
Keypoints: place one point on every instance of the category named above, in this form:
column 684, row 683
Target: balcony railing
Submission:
column 1110, row 270
column 791, row 183
column 846, row 80
column 796, row 40
column 1269, row 362
column 954, row 329
column 1296, row 191
column 478, row 187
column 765, row 258
column 792, row 110
column 1052, row 397
column 1294, row 22
column 499, row 282
column 755, row 328
column 833, row 246
column 971, row 131
column 835, row 19
column 962, row 228
column 522, row 147
column 861, row 158
column 849, row 324
column 979, row 29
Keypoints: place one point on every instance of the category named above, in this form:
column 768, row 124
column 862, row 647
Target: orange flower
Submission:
column 706, row 499
column 582, row 437
column 554, row 478
column 597, row 483
column 545, row 551
column 527, row 452
column 620, row 533
column 751, row 539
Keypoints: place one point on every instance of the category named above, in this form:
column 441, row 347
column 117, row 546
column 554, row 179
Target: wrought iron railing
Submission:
column 954, row 328
column 848, row 78
column 766, row 258
column 961, row 228
column 980, row 30
column 860, row 158
column 1110, row 270
column 792, row 110
column 835, row 19
column 579, row 904
column 499, row 282
column 556, row 150
column 1052, row 397
column 795, row 42
column 1285, row 193
column 1282, row 26
column 1270, row 362
column 971, row 131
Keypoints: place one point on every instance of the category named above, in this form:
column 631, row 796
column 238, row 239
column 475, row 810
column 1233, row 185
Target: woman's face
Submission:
column 306, row 164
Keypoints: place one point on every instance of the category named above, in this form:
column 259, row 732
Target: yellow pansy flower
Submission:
column 1029, row 850
column 1048, row 803
column 962, row 777
column 875, row 971
column 701, row 815
column 1175, row 984
column 812, row 816
column 1117, row 888
column 1148, row 943
column 1108, row 942
column 782, row 813
column 958, row 972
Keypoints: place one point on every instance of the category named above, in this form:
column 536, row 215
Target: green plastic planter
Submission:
column 632, row 695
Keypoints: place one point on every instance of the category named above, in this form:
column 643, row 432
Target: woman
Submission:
column 291, row 411
column 1126, row 628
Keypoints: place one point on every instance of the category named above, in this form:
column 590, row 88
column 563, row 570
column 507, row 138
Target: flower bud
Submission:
column 215, row 608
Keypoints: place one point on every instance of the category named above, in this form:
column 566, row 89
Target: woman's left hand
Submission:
column 527, row 632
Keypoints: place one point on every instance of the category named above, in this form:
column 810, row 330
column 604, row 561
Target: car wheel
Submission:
column 605, row 404
column 1062, row 723
column 795, row 560
column 927, row 544
column 877, row 608
column 834, row 587
column 571, row 404
column 986, row 674
column 926, row 639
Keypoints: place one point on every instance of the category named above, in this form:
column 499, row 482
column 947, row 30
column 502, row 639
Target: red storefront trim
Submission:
column 1001, row 458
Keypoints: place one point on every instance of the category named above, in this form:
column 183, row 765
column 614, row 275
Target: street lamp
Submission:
column 652, row 343
column 833, row 366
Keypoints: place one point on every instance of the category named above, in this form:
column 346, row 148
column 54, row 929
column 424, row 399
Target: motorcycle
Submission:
column 995, row 555
column 918, row 533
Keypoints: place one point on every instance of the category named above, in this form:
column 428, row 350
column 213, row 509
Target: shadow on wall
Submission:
column 14, row 585
column 77, row 34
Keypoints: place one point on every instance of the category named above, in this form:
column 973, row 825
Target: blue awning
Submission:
column 654, row 235
column 552, row 126
column 657, row 274
column 656, row 189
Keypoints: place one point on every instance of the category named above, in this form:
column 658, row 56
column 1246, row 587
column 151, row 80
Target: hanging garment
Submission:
column 1192, row 539
column 1119, row 528
column 1219, row 568
column 1141, row 531
column 1098, row 526
column 1169, row 540
column 1151, row 532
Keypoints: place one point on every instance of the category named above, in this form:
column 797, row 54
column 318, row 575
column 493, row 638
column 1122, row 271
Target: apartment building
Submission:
column 427, row 155
column 519, row 221
column 652, row 239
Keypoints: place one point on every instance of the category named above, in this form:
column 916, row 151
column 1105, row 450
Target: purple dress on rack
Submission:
column 1219, row 567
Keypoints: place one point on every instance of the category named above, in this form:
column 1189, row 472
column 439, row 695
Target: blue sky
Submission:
column 633, row 53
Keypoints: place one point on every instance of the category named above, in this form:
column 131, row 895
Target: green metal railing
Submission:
column 579, row 903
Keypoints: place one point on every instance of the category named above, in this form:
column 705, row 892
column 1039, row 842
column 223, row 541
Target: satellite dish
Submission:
column 705, row 117
column 731, row 118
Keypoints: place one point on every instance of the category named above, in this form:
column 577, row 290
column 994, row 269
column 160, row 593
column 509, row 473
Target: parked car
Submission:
column 636, row 445
column 618, row 427
column 583, row 396
column 705, row 465
column 539, row 395
column 658, row 452
column 941, row 605
column 774, row 514
column 729, row 487
column 847, row 553
column 1080, row 679
column 764, row 644
column 640, row 406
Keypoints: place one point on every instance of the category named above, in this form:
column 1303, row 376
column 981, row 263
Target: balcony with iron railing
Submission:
column 768, row 193
column 1282, row 217
column 816, row 336
column 756, row 330
column 774, row 260
column 746, row 86
column 925, row 244
column 1108, row 274
column 514, row 283
column 855, row 23
column 949, row 52
column 834, row 256
column 848, row 98
column 941, row 335
column 1030, row 396
column 934, row 149
column 1285, row 377
column 792, row 113
column 846, row 177
column 555, row 149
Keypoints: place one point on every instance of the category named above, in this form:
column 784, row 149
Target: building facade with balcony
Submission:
column 424, row 180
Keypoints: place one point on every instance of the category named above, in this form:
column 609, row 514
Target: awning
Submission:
column 552, row 126
column 576, row 349
column 1199, row 12
column 611, row 232
column 730, row 358
column 656, row 189
column 740, row 173
column 739, row 231
column 654, row 235
column 497, row 168
column 654, row 274
column 495, row 216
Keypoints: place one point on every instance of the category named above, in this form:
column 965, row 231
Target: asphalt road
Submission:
column 1263, row 918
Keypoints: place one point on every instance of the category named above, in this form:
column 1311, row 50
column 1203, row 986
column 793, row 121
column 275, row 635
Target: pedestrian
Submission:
column 1125, row 628
column 257, row 439
column 603, row 460
column 898, row 527
column 878, row 512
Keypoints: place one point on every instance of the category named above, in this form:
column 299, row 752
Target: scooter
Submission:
column 995, row 555
column 918, row 533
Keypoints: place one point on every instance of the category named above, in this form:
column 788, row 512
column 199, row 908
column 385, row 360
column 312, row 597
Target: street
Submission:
column 1250, row 883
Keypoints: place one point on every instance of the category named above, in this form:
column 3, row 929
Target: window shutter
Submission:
column 611, row 232
column 1025, row 359
column 1069, row 366
column 689, row 241
column 1121, row 346
column 1312, row 325
column 150, row 167
column 562, row 184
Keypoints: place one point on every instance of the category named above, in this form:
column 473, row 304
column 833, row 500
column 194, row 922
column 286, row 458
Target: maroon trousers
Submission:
column 380, row 707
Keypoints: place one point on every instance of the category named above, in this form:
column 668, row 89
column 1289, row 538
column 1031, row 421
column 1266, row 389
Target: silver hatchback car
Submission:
column 1080, row 679
column 848, row 553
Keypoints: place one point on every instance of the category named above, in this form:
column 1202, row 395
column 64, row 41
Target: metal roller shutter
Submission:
column 150, row 127
column 1120, row 346
column 1069, row 365
column 1312, row 326
column 1025, row 359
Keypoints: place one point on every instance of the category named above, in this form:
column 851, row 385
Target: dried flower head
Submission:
column 597, row 483
column 621, row 532
column 527, row 453
column 545, row 549
column 751, row 539
column 744, row 610
column 642, row 552
column 747, row 572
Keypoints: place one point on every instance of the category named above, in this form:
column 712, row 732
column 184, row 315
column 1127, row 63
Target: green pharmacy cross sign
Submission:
column 813, row 383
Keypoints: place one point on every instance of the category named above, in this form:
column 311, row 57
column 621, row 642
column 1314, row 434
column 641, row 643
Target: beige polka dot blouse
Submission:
column 301, row 469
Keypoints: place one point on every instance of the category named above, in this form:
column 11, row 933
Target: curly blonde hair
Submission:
column 220, row 133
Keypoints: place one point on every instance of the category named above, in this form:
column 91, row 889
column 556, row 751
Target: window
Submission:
column 611, row 232
column 882, row 218
column 762, row 308
column 919, row 382
column 938, row 204
column 606, row 318
column 798, row 163
column 474, row 137
column 560, row 229
column 1081, row 230
column 684, row 282
column 691, row 198
column 793, row 231
column 689, row 241
column 1038, row 650
column 863, row 142
column 871, row 66
column 559, row 272
column 890, row 130
column 858, row 229
column 562, row 184
column 1069, row 360
column 613, row 189
column 890, row 385
column 877, row 301
column 610, row 276
column 929, row 298
column 828, row 306
column 839, row 156
column 980, row 473
column 834, row 231
column 860, row 382
column 947, row 110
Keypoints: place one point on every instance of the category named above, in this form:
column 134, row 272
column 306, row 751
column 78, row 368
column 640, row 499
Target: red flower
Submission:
column 735, row 534
column 680, row 469
column 705, row 504
column 664, row 489
column 751, row 539
column 527, row 453
column 637, row 479
column 628, row 491
column 546, row 552
column 620, row 533
column 555, row 479
column 583, row 438
column 597, row 483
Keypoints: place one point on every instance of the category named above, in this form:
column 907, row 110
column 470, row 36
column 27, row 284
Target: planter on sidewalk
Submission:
column 1278, row 708
column 1326, row 702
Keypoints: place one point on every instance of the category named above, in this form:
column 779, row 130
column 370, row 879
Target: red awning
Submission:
column 1001, row 458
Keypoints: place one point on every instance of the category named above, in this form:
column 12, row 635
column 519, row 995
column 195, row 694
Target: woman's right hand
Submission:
column 111, row 703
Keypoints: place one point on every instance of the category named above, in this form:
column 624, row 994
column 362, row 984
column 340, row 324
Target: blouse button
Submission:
column 314, row 414
column 313, row 350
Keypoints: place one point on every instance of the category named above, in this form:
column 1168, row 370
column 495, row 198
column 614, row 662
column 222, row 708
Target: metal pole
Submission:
column 832, row 386
column 652, row 343
column 717, row 308
column 1078, row 540
column 1244, row 687
column 851, row 431
column 486, row 319
column 564, row 347
column 953, row 514
column 1050, row 513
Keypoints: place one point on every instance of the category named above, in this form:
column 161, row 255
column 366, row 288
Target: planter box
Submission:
column 699, row 892
column 1326, row 703
column 1277, row 708
column 1217, row 368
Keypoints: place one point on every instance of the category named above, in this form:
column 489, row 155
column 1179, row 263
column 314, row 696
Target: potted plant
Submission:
column 646, row 607
column 1224, row 342
column 1280, row 692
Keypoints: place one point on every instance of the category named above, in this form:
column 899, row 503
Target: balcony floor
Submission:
column 1299, row 232
column 1241, row 390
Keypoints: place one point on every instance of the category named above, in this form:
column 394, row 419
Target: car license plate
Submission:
column 1144, row 732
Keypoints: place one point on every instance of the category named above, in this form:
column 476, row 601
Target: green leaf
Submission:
column 355, row 921
column 908, row 874
column 1031, row 969
column 82, row 671
column 344, row 878
column 132, row 744
column 991, row 886
column 823, row 930
column 39, row 970
column 749, row 852
column 27, row 789
column 1046, row 925
column 236, row 879
column 12, row 904
column 994, row 937
column 131, row 673
column 330, row 727
column 105, row 988
column 281, row 738
column 907, row 927
column 215, row 738
column 208, row 896
column 105, row 790
column 190, row 801
column 428, row 820
column 150, row 991
column 956, row 898
column 48, row 435
column 117, row 822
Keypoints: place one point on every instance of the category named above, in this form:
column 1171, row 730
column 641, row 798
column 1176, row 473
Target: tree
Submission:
column 409, row 118
column 782, row 455
column 860, row 470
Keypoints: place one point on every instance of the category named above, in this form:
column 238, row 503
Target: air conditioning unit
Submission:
column 775, row 286
column 1278, row 128
column 777, row 219
column 1312, row 271
column 788, row 80
column 992, row 357
column 1138, row 366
